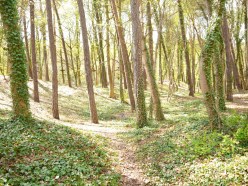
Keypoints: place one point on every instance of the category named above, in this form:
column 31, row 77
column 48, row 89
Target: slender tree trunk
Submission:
column 38, row 48
column 111, row 84
column 138, row 67
column 63, row 44
column 229, row 59
column 97, row 7
column 55, row 105
column 156, row 103
column 33, row 44
column 186, row 49
column 62, row 67
column 27, row 47
column 121, row 76
column 88, row 72
column 246, row 43
column 44, row 43
column 124, row 52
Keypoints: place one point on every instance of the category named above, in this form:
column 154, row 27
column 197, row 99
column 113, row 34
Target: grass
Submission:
column 43, row 153
column 181, row 150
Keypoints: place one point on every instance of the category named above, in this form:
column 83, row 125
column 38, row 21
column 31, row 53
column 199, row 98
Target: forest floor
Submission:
column 160, row 154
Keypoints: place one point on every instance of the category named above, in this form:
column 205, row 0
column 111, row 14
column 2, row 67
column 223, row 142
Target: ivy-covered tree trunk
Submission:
column 219, row 76
column 17, row 59
column 138, row 67
column 156, row 103
column 211, row 44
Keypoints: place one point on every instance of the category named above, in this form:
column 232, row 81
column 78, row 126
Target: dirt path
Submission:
column 125, row 164
column 240, row 102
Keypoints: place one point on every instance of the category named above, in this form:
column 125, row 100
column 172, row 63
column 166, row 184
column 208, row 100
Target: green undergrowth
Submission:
column 182, row 150
column 42, row 153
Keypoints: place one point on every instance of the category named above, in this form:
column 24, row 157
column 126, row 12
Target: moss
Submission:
column 212, row 44
column 17, row 59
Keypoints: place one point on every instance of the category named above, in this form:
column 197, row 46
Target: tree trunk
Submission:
column 16, row 57
column 156, row 103
column 124, row 52
column 27, row 47
column 33, row 44
column 111, row 84
column 246, row 43
column 229, row 59
column 55, row 105
column 211, row 44
column 138, row 67
column 186, row 49
column 63, row 44
column 44, row 43
column 93, row 110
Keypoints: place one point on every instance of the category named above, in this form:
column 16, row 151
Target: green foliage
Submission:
column 233, row 122
column 17, row 59
column 242, row 135
column 205, row 144
column 215, row 144
column 182, row 151
column 39, row 153
column 214, row 171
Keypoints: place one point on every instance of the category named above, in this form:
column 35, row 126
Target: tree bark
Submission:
column 87, row 64
column 141, row 115
column 186, row 49
column 16, row 58
column 55, row 104
column 124, row 52
column 209, row 48
column 111, row 84
column 33, row 50
column 229, row 59
column 44, row 43
column 63, row 44
column 27, row 47
column 156, row 103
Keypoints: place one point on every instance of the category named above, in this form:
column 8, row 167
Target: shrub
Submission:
column 242, row 135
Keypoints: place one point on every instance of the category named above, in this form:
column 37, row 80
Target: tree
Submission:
column 27, row 45
column 186, row 49
column 87, row 63
column 229, row 59
column 55, row 104
column 246, row 42
column 17, row 59
column 63, row 44
column 158, row 112
column 33, row 50
column 111, row 80
column 211, row 44
column 124, row 52
column 141, row 115
column 44, row 41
